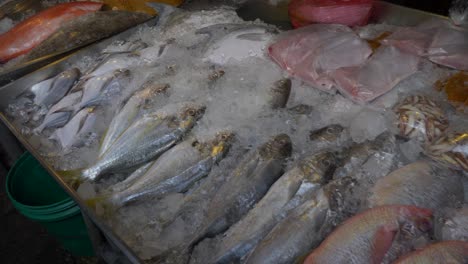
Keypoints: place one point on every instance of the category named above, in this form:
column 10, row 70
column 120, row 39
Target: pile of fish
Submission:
column 195, row 147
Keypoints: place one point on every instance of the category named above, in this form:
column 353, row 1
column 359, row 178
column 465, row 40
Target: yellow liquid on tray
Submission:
column 138, row 5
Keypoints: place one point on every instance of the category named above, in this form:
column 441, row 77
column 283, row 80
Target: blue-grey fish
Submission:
column 52, row 90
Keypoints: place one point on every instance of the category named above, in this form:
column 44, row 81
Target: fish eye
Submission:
column 326, row 162
column 331, row 129
column 191, row 112
column 283, row 141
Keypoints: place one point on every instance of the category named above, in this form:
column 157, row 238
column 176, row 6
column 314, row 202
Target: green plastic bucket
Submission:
column 39, row 197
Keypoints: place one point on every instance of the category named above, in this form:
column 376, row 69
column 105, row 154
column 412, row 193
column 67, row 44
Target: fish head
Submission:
column 121, row 73
column 329, row 133
column 319, row 167
column 385, row 142
column 301, row 109
column 191, row 114
column 151, row 89
column 222, row 143
column 415, row 220
column 278, row 147
column 72, row 74
column 279, row 93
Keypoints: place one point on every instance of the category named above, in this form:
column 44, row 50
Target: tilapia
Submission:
column 302, row 230
column 291, row 190
column 34, row 30
column 80, row 126
column 102, row 88
column 454, row 252
column 129, row 112
column 146, row 139
column 51, row 91
column 368, row 236
column 244, row 186
column 176, row 170
column 86, row 29
column 418, row 184
column 279, row 93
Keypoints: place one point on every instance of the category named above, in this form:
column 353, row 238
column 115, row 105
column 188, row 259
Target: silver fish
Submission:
column 176, row 170
column 329, row 136
column 244, row 186
column 60, row 113
column 288, row 192
column 146, row 139
column 50, row 92
column 303, row 229
column 73, row 133
column 100, row 89
column 129, row 113
column 418, row 184
column 279, row 93
column 109, row 63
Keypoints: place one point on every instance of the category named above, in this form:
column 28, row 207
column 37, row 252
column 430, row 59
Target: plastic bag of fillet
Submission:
column 345, row 12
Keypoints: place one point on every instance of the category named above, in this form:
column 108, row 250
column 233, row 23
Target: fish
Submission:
column 421, row 118
column 328, row 136
column 454, row 225
column 144, row 140
column 244, row 186
column 132, row 178
column 357, row 154
column 75, row 131
column 450, row 151
column 381, row 73
column 312, row 53
column 101, row 89
column 224, row 40
column 34, row 30
column 60, row 113
column 132, row 109
column 293, row 237
column 301, row 109
column 279, row 93
column 289, row 191
column 418, row 184
column 84, row 30
column 176, row 170
column 50, row 91
column 368, row 236
column 108, row 63
column 251, row 182
column 441, row 252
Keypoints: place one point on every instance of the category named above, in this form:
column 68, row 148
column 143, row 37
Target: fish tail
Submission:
column 72, row 177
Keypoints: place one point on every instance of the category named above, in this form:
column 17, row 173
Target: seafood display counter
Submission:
column 196, row 125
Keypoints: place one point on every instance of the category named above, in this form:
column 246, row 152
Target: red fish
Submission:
column 367, row 237
column 454, row 252
column 32, row 31
column 345, row 12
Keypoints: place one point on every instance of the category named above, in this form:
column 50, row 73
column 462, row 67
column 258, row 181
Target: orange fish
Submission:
column 454, row 252
column 368, row 236
column 32, row 31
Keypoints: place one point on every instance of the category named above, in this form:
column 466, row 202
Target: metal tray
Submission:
column 384, row 13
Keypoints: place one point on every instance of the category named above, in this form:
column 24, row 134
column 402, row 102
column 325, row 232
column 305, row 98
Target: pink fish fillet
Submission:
column 453, row 252
column 368, row 236
column 312, row 52
column 450, row 48
column 383, row 71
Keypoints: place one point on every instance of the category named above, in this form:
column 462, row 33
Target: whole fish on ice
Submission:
column 144, row 140
column 176, row 170
column 289, row 191
column 50, row 91
column 86, row 29
column 418, row 184
column 34, row 30
column 454, row 252
column 133, row 108
column 368, row 236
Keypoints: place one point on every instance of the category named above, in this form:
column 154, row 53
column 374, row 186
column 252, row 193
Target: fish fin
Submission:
column 383, row 240
column 72, row 177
